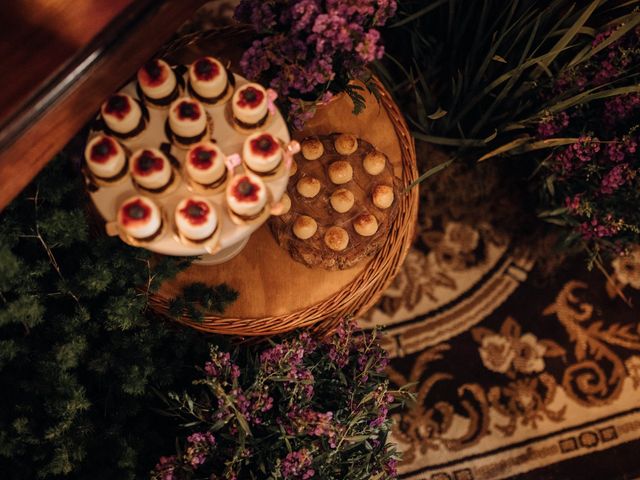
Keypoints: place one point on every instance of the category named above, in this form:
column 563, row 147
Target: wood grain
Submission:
column 73, row 71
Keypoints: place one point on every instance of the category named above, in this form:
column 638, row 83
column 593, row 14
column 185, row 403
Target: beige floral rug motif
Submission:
column 542, row 384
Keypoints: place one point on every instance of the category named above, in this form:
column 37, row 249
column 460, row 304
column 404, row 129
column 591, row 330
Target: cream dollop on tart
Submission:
column 196, row 218
column 262, row 152
column 122, row 115
column 150, row 168
column 204, row 163
column 158, row 82
column 246, row 196
column 187, row 120
column 208, row 78
column 139, row 217
column 250, row 106
column 105, row 157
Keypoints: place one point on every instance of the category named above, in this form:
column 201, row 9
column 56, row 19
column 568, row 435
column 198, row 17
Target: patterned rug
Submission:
column 512, row 376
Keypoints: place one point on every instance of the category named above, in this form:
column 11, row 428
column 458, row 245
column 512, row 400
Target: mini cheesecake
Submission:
column 151, row 170
column 187, row 122
column 262, row 153
column 208, row 80
column 123, row 116
column 249, row 106
column 196, row 219
column 246, row 196
column 158, row 83
column 205, row 165
column 140, row 218
column 105, row 158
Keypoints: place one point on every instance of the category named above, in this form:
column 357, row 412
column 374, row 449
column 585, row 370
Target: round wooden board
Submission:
column 277, row 293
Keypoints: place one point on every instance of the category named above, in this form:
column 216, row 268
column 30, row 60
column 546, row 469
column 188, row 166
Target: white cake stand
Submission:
column 233, row 237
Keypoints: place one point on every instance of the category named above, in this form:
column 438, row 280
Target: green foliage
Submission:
column 472, row 72
column 78, row 349
column 198, row 299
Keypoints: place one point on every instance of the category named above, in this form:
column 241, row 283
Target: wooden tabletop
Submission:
column 60, row 59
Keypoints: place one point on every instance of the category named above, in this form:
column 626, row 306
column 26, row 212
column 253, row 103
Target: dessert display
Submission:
column 123, row 116
column 246, row 197
column 140, row 218
column 106, row 159
column 187, row 122
column 249, row 107
column 196, row 219
column 151, row 170
column 262, row 153
column 152, row 142
column 204, row 165
column 157, row 83
column 340, row 212
column 209, row 81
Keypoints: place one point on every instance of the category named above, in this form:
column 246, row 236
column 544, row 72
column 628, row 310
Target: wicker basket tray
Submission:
column 278, row 294
column 356, row 290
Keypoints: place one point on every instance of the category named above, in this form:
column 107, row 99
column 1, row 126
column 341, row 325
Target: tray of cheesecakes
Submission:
column 187, row 159
column 340, row 202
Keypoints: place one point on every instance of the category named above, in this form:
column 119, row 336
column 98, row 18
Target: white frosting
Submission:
column 155, row 178
column 248, row 114
column 255, row 158
column 196, row 231
column 128, row 122
column 112, row 165
column 141, row 228
column 162, row 89
column 208, row 88
column 245, row 207
column 209, row 175
column 184, row 126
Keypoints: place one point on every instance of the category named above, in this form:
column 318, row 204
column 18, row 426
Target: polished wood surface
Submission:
column 60, row 59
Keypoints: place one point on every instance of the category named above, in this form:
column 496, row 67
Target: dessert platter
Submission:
column 340, row 203
column 188, row 160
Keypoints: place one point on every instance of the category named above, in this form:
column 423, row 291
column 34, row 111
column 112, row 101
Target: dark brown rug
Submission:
column 514, row 379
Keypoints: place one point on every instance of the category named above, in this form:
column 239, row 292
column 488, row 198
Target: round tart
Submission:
column 374, row 162
column 352, row 210
column 382, row 196
column 342, row 200
column 105, row 158
column 294, row 168
column 204, row 164
column 151, row 169
column 312, row 149
column 140, row 218
column 304, row 227
column 208, row 80
column 196, row 218
column 286, row 204
column 158, row 83
column 336, row 238
column 365, row 225
column 308, row 187
column 262, row 153
column 246, row 196
column 187, row 122
column 250, row 106
column 123, row 116
column 346, row 144
column 340, row 172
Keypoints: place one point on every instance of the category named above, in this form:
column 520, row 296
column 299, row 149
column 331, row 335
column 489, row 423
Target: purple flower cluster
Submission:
column 297, row 465
column 288, row 393
column 310, row 47
column 596, row 177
